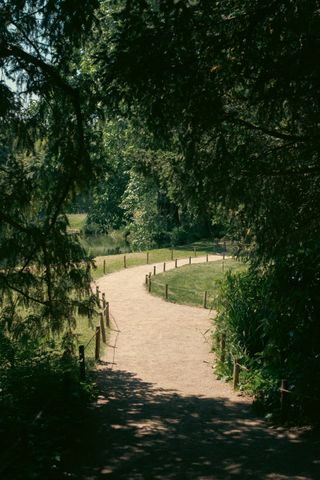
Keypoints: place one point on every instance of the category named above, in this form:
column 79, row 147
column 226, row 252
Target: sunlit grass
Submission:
column 77, row 220
column 187, row 284
column 115, row 263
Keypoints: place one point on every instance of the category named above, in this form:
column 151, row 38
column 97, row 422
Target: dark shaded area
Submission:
column 146, row 433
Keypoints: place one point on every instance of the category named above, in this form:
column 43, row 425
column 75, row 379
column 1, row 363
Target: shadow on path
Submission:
column 141, row 432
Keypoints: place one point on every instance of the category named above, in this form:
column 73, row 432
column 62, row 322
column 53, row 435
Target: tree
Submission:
column 232, row 89
column 44, row 161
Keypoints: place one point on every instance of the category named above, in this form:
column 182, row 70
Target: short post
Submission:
column 189, row 260
column 176, row 263
column 166, row 291
column 223, row 347
column 284, row 404
column 103, row 301
column 149, row 285
column 195, row 251
column 236, row 372
column 97, row 349
column 124, row 261
column 82, row 363
column 154, row 270
column 107, row 314
column 98, row 295
column 207, row 258
column 147, row 277
column 147, row 257
column 104, row 267
column 102, row 329
column 205, row 296
column 171, row 254
column 164, row 266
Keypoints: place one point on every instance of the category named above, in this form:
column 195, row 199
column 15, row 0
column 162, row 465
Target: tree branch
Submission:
column 271, row 133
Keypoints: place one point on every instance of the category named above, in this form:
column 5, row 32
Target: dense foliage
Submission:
column 231, row 89
column 131, row 195
column 164, row 117
column 45, row 160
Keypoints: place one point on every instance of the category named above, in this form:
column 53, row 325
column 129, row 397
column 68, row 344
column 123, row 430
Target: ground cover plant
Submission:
column 272, row 331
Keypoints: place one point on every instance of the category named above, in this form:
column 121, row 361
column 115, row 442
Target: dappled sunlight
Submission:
column 142, row 432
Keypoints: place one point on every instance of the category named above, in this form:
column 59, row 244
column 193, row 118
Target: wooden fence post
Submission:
column 189, row 260
column 102, row 329
column 104, row 267
column 166, row 291
column 97, row 349
column 82, row 363
column 147, row 277
column 164, row 266
column 103, row 300
column 147, row 257
column 154, row 270
column 107, row 314
column 176, row 263
column 205, row 296
column 207, row 258
column 149, row 284
column 124, row 261
column 236, row 372
column 98, row 295
column 223, row 347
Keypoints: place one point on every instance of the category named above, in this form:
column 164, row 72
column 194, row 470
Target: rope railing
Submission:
column 99, row 334
column 217, row 248
column 283, row 389
column 168, row 290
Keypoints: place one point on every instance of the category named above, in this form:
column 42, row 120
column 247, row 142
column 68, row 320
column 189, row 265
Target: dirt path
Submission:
column 163, row 343
column 163, row 415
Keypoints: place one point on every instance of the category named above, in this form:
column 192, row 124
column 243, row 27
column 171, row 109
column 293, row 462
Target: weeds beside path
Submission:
column 161, row 412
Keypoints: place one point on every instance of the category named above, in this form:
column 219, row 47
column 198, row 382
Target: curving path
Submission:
column 162, row 413
column 161, row 342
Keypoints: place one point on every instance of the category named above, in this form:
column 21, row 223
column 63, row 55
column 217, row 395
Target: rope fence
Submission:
column 100, row 334
column 218, row 248
column 284, row 388
column 206, row 297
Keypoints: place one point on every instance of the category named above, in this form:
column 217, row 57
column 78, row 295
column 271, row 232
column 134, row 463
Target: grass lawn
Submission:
column 77, row 220
column 116, row 262
column 187, row 284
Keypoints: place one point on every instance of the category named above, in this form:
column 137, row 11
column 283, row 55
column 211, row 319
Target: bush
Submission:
column 270, row 319
column 42, row 404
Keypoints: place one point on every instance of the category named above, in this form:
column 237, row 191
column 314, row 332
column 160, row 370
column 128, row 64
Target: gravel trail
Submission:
column 161, row 412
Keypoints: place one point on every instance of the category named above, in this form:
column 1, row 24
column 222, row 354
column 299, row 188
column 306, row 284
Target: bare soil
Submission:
column 161, row 412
